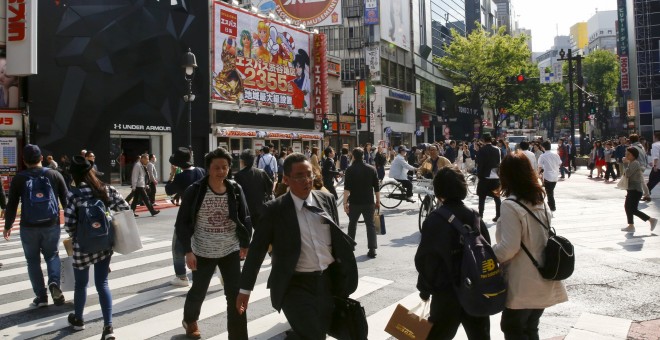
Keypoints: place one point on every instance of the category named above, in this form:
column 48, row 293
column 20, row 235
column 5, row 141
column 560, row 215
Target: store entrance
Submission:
column 125, row 152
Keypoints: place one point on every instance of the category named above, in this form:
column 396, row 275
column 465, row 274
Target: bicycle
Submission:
column 429, row 202
column 392, row 193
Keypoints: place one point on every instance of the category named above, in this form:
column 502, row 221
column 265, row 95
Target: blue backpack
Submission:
column 94, row 232
column 267, row 167
column 39, row 203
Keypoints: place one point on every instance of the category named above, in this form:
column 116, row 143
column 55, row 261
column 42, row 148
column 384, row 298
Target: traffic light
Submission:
column 520, row 79
column 517, row 79
column 325, row 125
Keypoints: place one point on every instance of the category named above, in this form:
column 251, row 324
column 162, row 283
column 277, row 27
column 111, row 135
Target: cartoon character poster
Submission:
column 259, row 60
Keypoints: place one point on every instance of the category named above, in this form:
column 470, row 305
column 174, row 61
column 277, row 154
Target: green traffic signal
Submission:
column 325, row 125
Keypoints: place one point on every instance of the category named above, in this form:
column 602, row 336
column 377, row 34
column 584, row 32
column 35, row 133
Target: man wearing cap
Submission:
column 38, row 237
column 399, row 171
column 176, row 185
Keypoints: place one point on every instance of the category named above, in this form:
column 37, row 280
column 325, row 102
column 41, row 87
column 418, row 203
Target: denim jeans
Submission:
column 178, row 257
column 81, row 276
column 37, row 242
column 230, row 269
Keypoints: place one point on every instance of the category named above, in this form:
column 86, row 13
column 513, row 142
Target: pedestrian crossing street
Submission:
column 146, row 306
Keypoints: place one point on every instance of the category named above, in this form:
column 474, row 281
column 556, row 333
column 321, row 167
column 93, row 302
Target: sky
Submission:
column 544, row 18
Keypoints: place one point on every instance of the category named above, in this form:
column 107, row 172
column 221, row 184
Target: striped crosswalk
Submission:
column 141, row 290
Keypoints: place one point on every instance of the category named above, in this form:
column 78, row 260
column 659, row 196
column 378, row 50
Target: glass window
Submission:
column 394, row 110
column 384, row 72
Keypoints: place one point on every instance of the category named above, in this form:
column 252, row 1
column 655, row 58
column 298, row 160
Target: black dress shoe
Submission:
column 155, row 213
column 371, row 254
column 495, row 218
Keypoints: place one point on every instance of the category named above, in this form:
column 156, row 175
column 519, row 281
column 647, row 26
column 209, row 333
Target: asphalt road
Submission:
column 615, row 285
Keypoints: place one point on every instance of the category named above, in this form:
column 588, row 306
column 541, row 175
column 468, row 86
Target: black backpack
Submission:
column 559, row 252
column 94, row 230
column 481, row 288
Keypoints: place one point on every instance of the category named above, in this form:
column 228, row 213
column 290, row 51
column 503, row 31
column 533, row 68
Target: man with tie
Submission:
column 312, row 258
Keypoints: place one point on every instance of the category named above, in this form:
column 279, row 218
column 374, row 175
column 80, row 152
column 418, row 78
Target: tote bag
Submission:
column 127, row 235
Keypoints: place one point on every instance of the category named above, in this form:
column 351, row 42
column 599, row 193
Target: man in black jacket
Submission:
column 359, row 188
column 256, row 184
column 312, row 257
column 488, row 158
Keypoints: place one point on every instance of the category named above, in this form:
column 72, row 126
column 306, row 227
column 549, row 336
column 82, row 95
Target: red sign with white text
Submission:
column 625, row 76
column 320, row 96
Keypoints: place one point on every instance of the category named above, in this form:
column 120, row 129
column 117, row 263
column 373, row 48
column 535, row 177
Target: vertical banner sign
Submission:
column 372, row 55
column 371, row 16
column 622, row 44
column 320, row 79
column 259, row 61
column 21, row 27
column 362, row 101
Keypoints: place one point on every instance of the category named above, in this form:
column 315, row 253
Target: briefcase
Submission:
column 406, row 324
column 379, row 223
column 349, row 322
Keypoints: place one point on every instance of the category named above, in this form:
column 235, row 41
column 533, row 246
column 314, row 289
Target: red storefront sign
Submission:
column 625, row 76
column 426, row 120
column 320, row 96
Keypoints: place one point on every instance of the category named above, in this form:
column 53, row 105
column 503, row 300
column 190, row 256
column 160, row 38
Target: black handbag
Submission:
column 559, row 253
column 349, row 322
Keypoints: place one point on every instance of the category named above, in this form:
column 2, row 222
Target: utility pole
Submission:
column 580, row 83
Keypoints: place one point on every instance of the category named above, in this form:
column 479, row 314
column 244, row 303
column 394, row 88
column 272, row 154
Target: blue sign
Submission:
column 388, row 130
column 400, row 95
column 371, row 16
column 419, row 133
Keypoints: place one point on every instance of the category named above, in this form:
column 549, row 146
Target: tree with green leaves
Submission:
column 479, row 64
column 601, row 77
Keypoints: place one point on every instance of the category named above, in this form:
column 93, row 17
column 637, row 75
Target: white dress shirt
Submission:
column 550, row 163
column 655, row 154
column 399, row 168
column 532, row 158
column 315, row 239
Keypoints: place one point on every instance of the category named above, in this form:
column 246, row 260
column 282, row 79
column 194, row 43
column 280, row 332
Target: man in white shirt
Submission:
column 524, row 146
column 268, row 163
column 654, row 176
column 549, row 163
column 399, row 171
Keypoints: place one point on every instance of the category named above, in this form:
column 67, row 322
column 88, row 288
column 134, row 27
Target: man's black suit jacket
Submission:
column 488, row 158
column 279, row 227
column 257, row 187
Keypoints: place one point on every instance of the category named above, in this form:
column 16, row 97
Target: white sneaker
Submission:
column 653, row 222
column 176, row 281
column 628, row 229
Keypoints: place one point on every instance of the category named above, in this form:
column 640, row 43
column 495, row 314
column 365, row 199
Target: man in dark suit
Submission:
column 257, row 185
column 313, row 259
column 488, row 158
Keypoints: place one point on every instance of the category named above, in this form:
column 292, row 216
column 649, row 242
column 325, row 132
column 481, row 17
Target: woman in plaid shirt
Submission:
column 89, row 186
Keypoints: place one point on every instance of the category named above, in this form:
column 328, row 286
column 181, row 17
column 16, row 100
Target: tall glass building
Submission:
column 445, row 15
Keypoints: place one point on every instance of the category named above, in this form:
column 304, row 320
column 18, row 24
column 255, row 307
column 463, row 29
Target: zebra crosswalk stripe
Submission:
column 275, row 323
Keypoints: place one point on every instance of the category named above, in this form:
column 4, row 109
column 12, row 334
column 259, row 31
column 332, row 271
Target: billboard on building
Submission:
column 21, row 29
column 372, row 54
column 371, row 16
column 320, row 80
column 395, row 22
column 309, row 13
column 256, row 60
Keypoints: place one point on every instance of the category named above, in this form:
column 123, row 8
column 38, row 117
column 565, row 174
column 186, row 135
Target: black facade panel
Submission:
column 108, row 62
column 252, row 119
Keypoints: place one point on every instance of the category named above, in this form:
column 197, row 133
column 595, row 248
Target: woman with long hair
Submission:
column 635, row 175
column 528, row 292
column 88, row 186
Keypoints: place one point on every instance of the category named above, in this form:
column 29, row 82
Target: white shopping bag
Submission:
column 67, row 281
column 127, row 236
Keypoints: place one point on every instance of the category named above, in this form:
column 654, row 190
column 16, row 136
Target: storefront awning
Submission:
column 223, row 131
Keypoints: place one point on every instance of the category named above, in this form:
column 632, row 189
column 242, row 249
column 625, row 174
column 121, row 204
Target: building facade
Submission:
column 601, row 31
column 642, row 101
column 579, row 37
column 506, row 15
column 479, row 12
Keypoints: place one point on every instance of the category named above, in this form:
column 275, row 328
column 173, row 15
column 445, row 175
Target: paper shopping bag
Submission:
column 127, row 236
column 405, row 324
column 379, row 223
column 67, row 280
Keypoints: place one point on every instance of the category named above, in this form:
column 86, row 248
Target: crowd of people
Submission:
column 284, row 205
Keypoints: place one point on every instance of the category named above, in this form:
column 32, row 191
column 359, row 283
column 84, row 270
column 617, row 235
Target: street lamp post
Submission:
column 356, row 111
column 189, row 65
column 578, row 59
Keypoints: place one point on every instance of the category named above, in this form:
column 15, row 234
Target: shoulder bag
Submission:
column 559, row 252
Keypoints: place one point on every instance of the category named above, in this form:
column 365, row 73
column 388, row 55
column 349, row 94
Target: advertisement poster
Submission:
column 395, row 23
column 306, row 12
column 371, row 16
column 8, row 159
column 373, row 61
column 257, row 60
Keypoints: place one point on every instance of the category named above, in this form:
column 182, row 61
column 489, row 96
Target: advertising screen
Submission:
column 395, row 23
column 257, row 60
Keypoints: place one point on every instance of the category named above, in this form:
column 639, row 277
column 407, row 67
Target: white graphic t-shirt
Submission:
column 215, row 233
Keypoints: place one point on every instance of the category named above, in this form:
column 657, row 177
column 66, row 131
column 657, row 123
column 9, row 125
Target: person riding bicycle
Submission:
column 399, row 169
column 433, row 163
